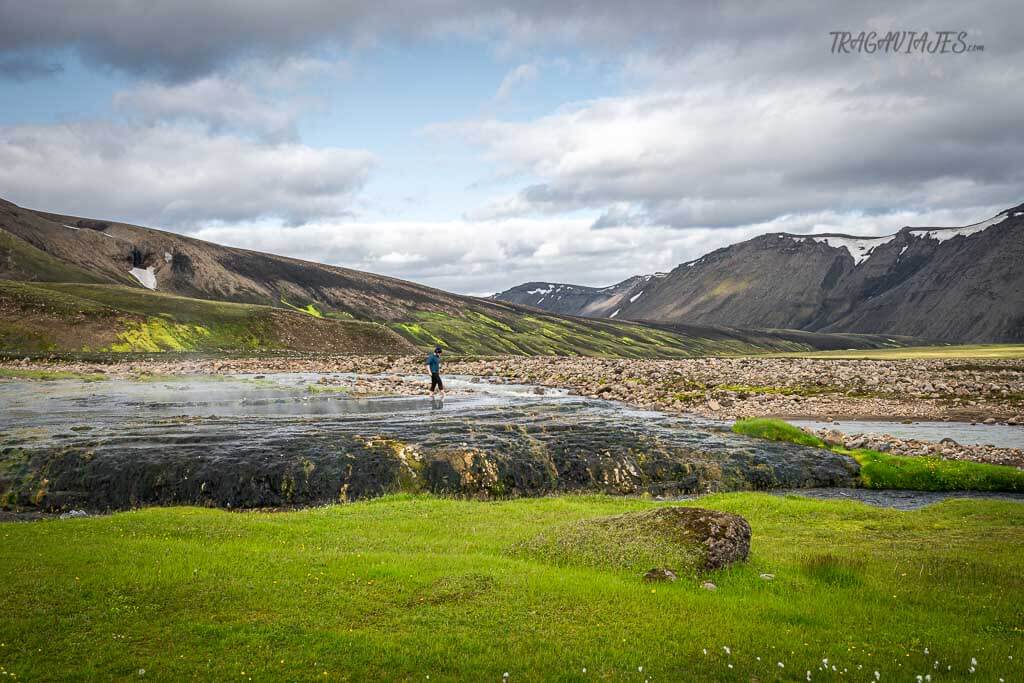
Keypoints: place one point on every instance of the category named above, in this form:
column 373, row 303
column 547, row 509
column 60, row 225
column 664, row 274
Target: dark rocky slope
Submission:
column 951, row 284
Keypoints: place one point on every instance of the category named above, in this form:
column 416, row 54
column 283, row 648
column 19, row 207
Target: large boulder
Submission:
column 686, row 540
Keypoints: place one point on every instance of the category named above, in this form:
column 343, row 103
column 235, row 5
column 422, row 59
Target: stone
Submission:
column 768, row 577
column 714, row 405
column 708, row 586
column 687, row 539
column 990, row 421
column 660, row 574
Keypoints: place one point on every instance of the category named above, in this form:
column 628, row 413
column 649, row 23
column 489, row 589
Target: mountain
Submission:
column 594, row 302
column 963, row 284
column 70, row 283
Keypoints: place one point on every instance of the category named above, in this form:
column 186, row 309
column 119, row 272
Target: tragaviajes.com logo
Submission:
column 903, row 42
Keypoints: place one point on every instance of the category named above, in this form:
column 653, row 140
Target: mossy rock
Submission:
column 686, row 539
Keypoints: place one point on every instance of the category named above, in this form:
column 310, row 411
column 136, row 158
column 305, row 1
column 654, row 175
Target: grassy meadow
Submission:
column 418, row 588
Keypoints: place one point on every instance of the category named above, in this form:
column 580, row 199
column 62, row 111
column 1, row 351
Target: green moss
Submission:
column 160, row 334
column 12, row 373
column 776, row 430
column 888, row 471
column 310, row 309
column 635, row 542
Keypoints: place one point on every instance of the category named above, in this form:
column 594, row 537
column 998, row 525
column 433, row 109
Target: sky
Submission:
column 473, row 146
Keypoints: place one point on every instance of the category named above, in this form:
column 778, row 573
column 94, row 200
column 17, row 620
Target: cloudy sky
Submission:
column 474, row 146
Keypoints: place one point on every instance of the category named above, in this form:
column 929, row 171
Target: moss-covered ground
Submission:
column 405, row 588
column 522, row 333
column 128, row 319
column 887, row 471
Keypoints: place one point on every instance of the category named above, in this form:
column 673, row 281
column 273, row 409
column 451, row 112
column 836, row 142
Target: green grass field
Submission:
column 406, row 588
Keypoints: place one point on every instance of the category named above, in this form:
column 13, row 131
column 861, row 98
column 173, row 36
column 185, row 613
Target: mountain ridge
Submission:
column 956, row 284
column 71, row 283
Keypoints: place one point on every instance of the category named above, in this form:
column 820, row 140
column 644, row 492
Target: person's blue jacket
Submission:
column 434, row 361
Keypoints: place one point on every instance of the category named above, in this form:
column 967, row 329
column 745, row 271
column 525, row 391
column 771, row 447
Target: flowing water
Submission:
column 285, row 439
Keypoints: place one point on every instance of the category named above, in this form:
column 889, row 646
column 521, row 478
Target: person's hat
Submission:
column 437, row 349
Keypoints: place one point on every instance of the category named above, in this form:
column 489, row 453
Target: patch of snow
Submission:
column 905, row 247
column 145, row 276
column 168, row 257
column 70, row 227
column 615, row 313
column 542, row 290
column 943, row 234
column 540, row 300
column 661, row 275
column 635, row 296
column 860, row 248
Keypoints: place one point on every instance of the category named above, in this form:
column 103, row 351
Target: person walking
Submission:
column 434, row 363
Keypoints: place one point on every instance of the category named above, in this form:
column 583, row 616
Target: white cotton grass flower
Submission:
column 808, row 674
column 781, row 665
column 878, row 676
column 825, row 661
column 725, row 648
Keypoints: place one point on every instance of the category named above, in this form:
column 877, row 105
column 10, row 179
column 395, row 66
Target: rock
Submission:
column 660, row 574
column 714, row 405
column 768, row 577
column 990, row 421
column 834, row 437
column 687, row 539
column 538, row 391
column 708, row 586
column 71, row 514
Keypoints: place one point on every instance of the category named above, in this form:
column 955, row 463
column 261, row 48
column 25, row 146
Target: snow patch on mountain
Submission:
column 145, row 276
column 635, row 296
column 943, row 234
column 860, row 248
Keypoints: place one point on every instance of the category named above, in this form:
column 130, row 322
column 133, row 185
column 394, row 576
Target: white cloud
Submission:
column 174, row 175
column 520, row 74
column 254, row 97
column 732, row 155
column 489, row 256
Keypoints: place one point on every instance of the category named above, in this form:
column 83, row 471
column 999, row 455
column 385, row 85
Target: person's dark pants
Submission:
column 435, row 382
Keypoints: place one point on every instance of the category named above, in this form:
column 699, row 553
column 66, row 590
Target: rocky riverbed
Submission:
column 280, row 440
column 947, row 449
column 967, row 390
